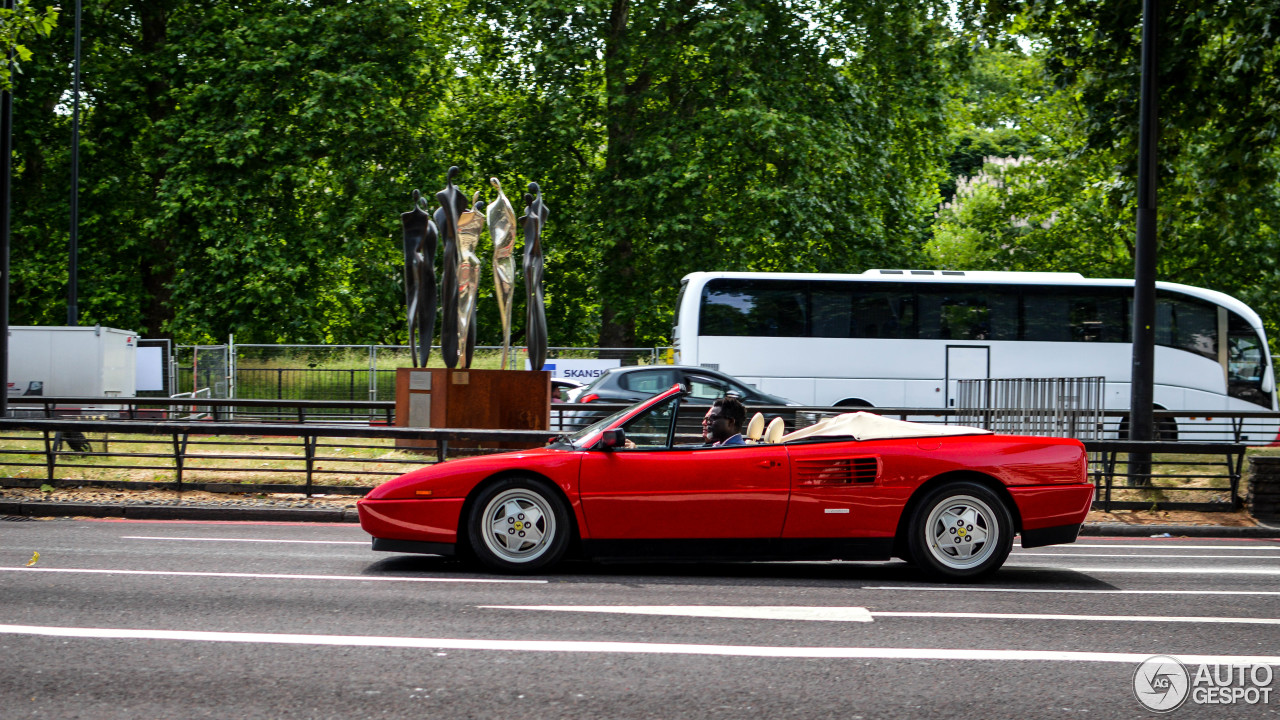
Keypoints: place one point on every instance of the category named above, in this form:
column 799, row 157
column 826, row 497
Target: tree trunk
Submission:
column 617, row 324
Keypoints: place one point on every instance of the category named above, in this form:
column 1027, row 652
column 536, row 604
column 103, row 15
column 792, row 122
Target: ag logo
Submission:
column 1161, row 683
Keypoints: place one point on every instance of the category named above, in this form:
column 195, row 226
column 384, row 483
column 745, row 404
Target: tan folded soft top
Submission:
column 869, row 426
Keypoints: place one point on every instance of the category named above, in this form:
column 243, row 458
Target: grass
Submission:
column 1192, row 480
column 217, row 459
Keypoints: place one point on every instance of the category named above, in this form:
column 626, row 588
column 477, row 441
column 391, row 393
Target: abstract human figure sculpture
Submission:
column 535, row 216
column 452, row 204
column 502, row 228
column 470, row 223
column 420, row 237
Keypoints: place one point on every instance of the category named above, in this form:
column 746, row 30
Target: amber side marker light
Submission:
column 422, row 492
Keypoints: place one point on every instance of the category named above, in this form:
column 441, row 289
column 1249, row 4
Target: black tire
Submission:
column 973, row 519
column 1166, row 430
column 535, row 519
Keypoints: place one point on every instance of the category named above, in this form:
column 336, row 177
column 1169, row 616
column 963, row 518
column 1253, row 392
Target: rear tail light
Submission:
column 589, row 397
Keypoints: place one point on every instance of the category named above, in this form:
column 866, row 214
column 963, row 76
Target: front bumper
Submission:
column 424, row 521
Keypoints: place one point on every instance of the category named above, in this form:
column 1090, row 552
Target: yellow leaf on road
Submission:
column 35, row 558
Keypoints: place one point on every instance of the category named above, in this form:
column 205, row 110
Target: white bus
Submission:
column 901, row 338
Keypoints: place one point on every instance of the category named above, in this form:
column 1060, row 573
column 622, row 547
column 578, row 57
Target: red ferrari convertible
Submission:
column 854, row 487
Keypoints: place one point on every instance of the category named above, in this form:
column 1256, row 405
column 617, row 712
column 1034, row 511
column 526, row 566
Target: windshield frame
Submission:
column 589, row 436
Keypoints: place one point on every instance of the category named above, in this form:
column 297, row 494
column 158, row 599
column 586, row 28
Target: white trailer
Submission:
column 72, row 362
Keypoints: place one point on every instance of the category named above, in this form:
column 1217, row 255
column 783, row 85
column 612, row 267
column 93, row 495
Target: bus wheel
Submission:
column 853, row 403
column 1166, row 430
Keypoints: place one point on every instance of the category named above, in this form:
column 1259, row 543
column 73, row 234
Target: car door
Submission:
column 657, row 491
column 730, row 492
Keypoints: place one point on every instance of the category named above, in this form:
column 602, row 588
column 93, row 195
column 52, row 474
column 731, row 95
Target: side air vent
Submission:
column 837, row 471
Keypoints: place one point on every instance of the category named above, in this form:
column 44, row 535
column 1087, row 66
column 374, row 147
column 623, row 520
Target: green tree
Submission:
column 19, row 25
column 241, row 167
column 726, row 135
column 1071, row 207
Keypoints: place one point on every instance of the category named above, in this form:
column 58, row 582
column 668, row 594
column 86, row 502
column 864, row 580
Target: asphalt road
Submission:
column 240, row 620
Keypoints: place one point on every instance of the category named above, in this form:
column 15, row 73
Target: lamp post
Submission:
column 73, row 262
column 6, row 149
column 1142, row 381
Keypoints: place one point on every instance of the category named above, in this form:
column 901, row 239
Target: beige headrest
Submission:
column 773, row 434
column 755, row 428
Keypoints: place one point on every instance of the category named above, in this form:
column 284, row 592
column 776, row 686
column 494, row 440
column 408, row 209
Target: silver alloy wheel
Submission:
column 519, row 525
column 962, row 532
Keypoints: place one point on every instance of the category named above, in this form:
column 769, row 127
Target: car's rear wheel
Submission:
column 518, row 524
column 960, row 531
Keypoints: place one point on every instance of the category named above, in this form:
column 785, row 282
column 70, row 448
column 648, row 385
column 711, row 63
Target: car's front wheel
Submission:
column 518, row 524
column 960, row 531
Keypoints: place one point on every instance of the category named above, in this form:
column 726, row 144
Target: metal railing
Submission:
column 1186, row 475
column 1209, row 471
column 1052, row 407
column 203, row 447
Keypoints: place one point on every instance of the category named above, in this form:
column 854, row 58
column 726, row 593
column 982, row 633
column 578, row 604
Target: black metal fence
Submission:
column 1181, row 476
column 111, row 453
column 240, row 456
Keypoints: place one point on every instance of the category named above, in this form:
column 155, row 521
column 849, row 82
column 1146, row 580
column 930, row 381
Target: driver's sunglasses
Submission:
column 711, row 418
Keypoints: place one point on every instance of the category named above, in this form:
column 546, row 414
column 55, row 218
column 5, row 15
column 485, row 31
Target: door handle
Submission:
column 769, row 463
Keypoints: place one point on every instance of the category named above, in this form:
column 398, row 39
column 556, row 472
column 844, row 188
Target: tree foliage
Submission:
column 18, row 26
column 243, row 164
column 1071, row 205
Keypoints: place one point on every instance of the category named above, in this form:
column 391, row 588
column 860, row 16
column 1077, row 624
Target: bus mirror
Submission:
column 1268, row 381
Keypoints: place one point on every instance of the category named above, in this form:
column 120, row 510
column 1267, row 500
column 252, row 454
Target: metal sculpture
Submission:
column 535, row 217
column 502, row 228
column 420, row 237
column 470, row 223
column 452, row 204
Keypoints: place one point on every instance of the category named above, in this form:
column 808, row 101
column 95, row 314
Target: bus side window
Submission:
column 1187, row 324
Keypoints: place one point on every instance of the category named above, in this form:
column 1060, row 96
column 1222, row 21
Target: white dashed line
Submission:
column 246, row 540
column 1145, row 556
column 571, row 646
column 749, row 612
column 857, row 614
column 273, row 576
column 1062, row 591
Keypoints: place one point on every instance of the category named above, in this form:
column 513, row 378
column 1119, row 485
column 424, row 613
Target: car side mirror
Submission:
column 613, row 439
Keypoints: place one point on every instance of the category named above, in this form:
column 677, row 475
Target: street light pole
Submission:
column 73, row 263
column 1141, row 425
column 6, row 149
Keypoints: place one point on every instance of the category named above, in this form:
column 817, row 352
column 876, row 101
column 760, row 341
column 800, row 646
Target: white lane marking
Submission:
column 272, row 576
column 1056, row 591
column 1080, row 618
column 245, row 540
column 751, row 612
column 1146, row 557
column 582, row 646
column 1166, row 546
column 856, row 614
column 1179, row 570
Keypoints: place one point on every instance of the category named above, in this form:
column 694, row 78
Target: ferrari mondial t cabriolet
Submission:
column 853, row 487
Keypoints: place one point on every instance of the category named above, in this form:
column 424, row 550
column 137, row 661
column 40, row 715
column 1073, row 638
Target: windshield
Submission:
column 589, row 432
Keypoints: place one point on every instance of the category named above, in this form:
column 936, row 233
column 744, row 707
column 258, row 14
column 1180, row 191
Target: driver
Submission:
column 723, row 422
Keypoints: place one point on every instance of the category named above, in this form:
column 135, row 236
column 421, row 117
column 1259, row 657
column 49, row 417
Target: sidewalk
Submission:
column 166, row 505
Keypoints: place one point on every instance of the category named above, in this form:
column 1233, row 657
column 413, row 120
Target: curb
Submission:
column 1201, row 531
column 349, row 515
column 176, row 512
